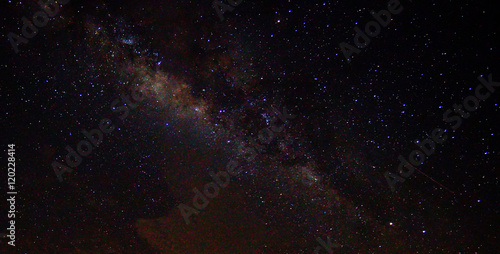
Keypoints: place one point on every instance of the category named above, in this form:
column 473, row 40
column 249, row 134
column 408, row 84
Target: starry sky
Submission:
column 186, row 94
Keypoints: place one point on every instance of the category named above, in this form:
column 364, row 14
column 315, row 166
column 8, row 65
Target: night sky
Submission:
column 250, row 127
